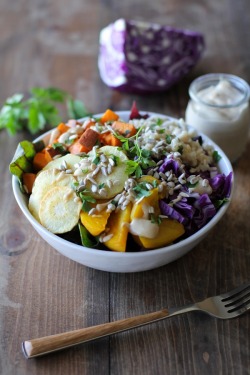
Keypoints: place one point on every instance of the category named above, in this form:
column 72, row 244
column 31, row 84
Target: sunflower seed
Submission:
column 88, row 177
column 149, row 186
column 111, row 162
column 109, row 169
column 103, row 192
column 111, row 207
column 106, row 238
column 92, row 211
column 103, row 158
column 104, row 171
column 94, row 188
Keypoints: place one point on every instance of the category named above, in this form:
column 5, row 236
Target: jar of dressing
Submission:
column 219, row 108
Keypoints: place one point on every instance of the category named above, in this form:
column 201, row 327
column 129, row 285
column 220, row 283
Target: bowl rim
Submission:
column 115, row 254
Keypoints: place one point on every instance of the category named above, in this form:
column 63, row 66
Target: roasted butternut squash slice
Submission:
column 169, row 231
column 118, row 227
column 95, row 224
column 142, row 206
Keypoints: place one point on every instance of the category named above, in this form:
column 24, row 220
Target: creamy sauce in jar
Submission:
column 218, row 107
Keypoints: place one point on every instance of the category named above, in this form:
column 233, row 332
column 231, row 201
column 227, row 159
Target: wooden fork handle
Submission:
column 44, row 345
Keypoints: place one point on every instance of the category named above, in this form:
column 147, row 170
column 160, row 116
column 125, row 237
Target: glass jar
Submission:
column 219, row 108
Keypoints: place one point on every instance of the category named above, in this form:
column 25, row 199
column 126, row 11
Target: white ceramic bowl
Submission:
column 123, row 262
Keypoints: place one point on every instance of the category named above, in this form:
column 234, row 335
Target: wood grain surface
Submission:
column 55, row 43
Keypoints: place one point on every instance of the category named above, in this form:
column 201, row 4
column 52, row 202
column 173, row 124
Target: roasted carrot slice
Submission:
column 109, row 116
column 28, row 181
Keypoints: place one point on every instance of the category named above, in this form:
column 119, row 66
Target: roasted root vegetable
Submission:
column 89, row 139
column 123, row 128
column 169, row 231
column 60, row 209
column 96, row 223
column 142, row 208
column 62, row 128
column 77, row 148
column 109, row 139
column 109, row 115
column 28, row 181
column 41, row 159
column 118, row 225
column 44, row 181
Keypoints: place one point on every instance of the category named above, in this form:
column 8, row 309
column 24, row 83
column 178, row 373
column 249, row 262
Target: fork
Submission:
column 224, row 306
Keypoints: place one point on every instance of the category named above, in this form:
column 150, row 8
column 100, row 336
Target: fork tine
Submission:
column 241, row 304
column 236, row 292
column 244, row 297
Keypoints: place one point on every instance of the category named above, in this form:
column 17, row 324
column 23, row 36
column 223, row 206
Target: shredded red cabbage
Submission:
column 168, row 165
column 195, row 210
column 221, row 185
column 169, row 211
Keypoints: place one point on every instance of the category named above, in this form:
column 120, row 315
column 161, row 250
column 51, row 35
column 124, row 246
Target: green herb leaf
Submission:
column 60, row 147
column 142, row 190
column 218, row 203
column 155, row 219
column 115, row 159
column 180, row 149
column 76, row 108
column 168, row 139
column 51, row 93
column 38, row 110
column 133, row 167
column 216, row 156
column 189, row 185
column 96, row 160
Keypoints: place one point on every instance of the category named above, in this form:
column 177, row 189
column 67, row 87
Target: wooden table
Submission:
column 41, row 292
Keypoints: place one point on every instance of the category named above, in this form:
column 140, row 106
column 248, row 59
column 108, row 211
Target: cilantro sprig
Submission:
column 38, row 110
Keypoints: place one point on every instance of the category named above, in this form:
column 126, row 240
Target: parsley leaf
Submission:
column 141, row 190
column 60, row 147
column 141, row 158
column 39, row 110
column 190, row 185
column 216, row 156
column 155, row 219
column 168, row 139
